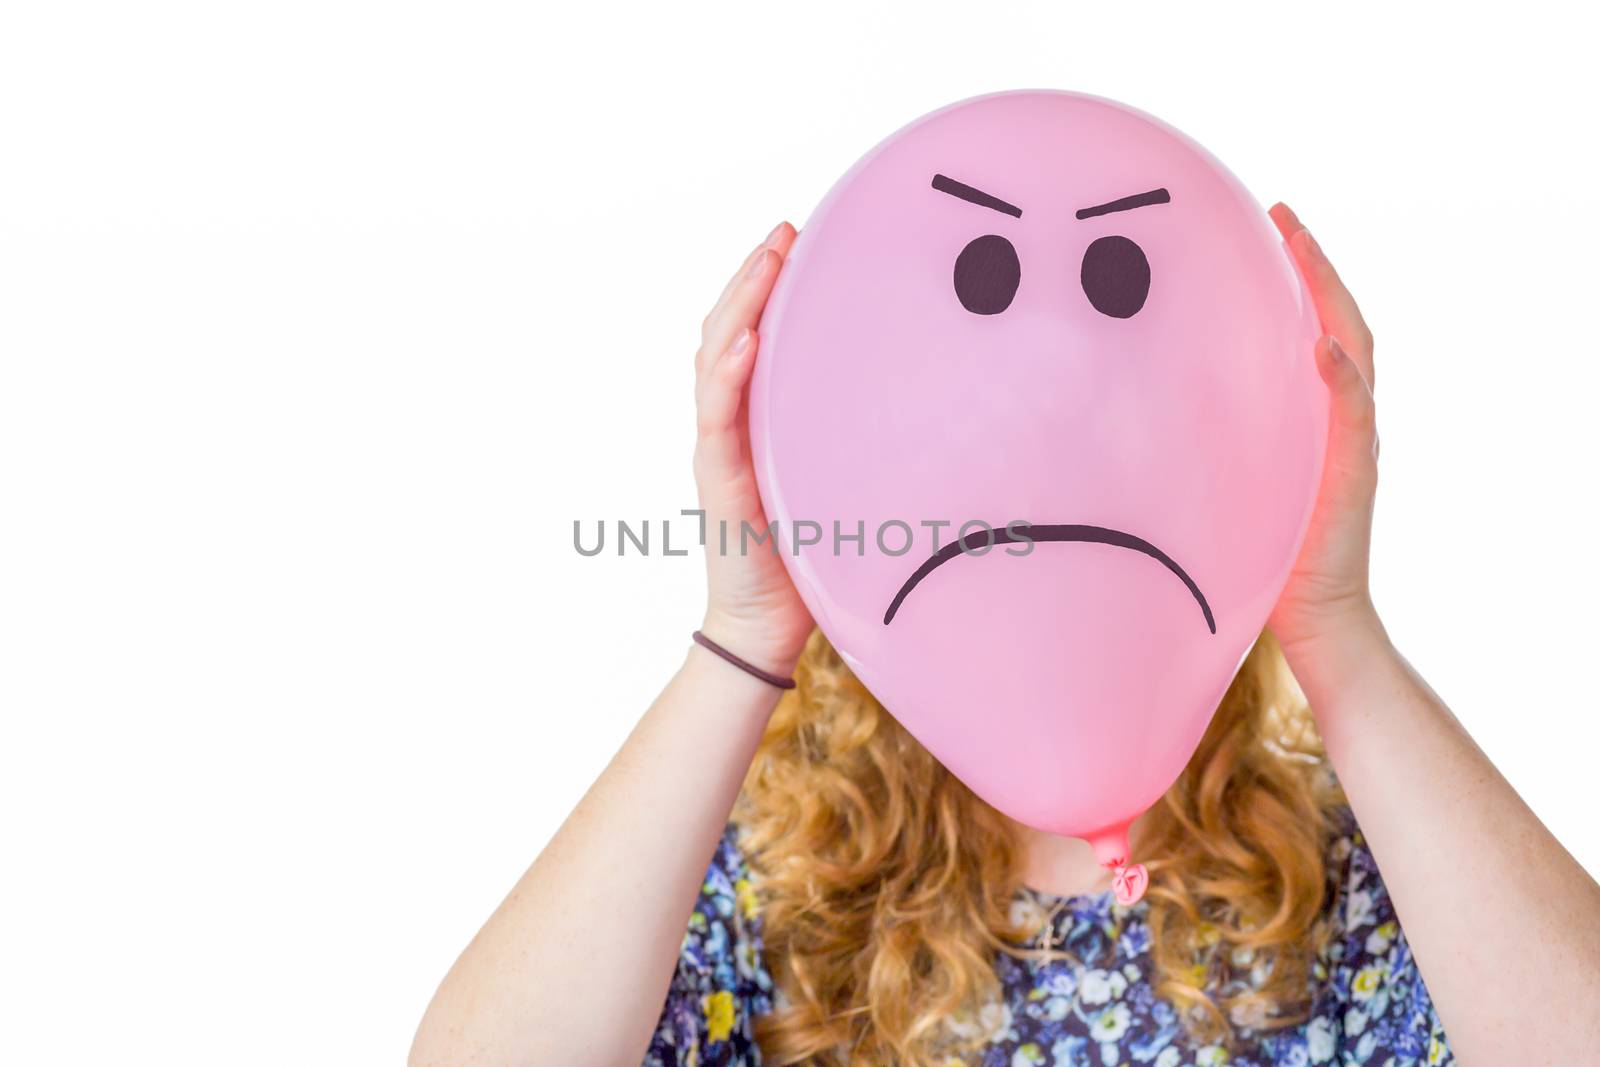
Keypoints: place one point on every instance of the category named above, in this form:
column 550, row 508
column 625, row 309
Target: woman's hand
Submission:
column 1326, row 598
column 752, row 608
column 508, row 998
column 1454, row 841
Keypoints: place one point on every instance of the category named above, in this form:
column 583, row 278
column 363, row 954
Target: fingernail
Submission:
column 1327, row 354
column 773, row 236
column 758, row 264
column 741, row 344
column 1311, row 243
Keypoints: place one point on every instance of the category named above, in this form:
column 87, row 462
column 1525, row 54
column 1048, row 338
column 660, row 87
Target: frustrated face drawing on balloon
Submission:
column 1060, row 337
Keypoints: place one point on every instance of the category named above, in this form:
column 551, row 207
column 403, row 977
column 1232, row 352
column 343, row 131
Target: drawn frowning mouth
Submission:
column 1018, row 533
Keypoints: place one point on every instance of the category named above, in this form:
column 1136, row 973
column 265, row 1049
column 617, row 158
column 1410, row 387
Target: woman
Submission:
column 863, row 907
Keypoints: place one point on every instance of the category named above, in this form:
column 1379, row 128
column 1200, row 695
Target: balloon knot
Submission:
column 1129, row 882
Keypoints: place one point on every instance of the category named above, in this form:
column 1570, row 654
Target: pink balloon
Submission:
column 1051, row 311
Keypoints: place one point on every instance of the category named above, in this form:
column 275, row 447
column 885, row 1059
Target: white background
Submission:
column 321, row 322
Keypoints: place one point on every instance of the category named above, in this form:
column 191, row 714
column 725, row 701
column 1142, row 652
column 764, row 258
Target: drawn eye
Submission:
column 987, row 275
column 1115, row 277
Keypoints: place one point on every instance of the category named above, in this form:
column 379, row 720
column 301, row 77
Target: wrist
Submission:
column 1335, row 633
column 771, row 654
column 722, row 688
column 1336, row 665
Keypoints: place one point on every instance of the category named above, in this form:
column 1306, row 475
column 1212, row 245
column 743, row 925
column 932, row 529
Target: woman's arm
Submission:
column 1504, row 923
column 574, row 965
column 572, row 968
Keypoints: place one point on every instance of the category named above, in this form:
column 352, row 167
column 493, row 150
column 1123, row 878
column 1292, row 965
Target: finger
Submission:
column 779, row 241
column 1335, row 306
column 743, row 307
column 1353, row 442
column 733, row 279
column 1287, row 221
column 719, row 397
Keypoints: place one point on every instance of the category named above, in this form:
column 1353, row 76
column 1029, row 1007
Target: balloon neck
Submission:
column 1128, row 881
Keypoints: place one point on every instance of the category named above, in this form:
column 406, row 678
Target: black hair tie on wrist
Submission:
column 749, row 668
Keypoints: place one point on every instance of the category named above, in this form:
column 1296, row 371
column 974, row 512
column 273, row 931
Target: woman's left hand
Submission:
column 1454, row 841
column 1326, row 598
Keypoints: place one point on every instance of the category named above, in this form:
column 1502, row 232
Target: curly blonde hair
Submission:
column 886, row 886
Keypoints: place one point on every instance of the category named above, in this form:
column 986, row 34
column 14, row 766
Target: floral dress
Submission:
column 1089, row 1003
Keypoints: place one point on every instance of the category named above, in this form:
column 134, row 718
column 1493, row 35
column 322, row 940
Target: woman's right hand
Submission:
column 752, row 608
column 507, row 999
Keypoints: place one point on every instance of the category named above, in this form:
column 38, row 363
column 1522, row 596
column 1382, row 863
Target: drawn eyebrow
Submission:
column 974, row 196
column 1127, row 203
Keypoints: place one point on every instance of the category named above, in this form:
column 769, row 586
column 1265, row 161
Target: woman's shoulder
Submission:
column 1371, row 1000
column 1357, row 895
column 1358, row 913
column 723, row 938
column 721, row 984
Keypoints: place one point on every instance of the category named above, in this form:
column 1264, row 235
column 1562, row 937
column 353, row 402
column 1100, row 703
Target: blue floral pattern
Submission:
column 1090, row 1002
